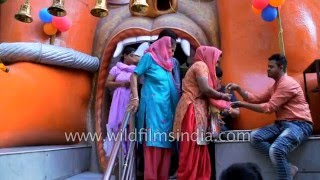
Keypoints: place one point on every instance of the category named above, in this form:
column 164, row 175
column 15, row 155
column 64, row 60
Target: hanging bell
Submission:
column 4, row 68
column 100, row 9
column 139, row 6
column 57, row 8
column 24, row 14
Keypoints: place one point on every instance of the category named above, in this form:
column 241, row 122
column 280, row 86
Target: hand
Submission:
column 126, row 84
column 226, row 97
column 237, row 104
column 232, row 87
column 133, row 106
column 225, row 112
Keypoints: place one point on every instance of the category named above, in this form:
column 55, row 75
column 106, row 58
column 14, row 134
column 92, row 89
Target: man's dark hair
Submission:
column 127, row 50
column 219, row 72
column 168, row 32
column 241, row 171
column 280, row 60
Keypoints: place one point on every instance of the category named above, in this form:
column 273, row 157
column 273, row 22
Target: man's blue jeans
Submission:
column 278, row 139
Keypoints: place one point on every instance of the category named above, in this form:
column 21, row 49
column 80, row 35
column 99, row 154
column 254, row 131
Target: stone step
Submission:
column 44, row 162
column 86, row 176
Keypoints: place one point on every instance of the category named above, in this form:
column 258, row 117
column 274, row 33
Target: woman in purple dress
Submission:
column 119, row 80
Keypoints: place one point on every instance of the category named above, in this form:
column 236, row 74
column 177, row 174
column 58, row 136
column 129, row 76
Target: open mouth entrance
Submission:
column 186, row 45
column 182, row 54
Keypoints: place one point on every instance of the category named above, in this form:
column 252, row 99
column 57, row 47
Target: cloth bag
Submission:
column 215, row 122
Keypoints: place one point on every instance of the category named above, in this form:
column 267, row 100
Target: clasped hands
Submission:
column 234, row 87
column 125, row 84
column 228, row 89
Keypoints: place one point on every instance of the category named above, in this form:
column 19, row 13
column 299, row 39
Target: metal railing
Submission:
column 126, row 165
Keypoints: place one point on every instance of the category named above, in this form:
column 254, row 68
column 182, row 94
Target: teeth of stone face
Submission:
column 141, row 39
column 118, row 50
column 153, row 38
column 185, row 45
column 128, row 41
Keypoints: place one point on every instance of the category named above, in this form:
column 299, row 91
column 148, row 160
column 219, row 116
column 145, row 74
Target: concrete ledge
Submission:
column 86, row 176
column 306, row 157
column 44, row 162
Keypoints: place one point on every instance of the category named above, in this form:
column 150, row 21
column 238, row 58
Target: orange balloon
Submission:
column 49, row 29
column 276, row 3
column 255, row 10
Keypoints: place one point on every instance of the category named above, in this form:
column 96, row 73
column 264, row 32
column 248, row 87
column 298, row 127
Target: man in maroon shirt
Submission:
column 293, row 123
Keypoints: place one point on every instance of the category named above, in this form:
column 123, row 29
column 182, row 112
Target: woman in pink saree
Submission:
column 198, row 93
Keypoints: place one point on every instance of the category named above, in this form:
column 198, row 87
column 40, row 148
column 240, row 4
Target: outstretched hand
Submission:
column 232, row 87
column 237, row 104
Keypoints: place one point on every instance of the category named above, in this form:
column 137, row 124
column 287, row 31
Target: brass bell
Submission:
column 3, row 67
column 57, row 8
column 100, row 9
column 139, row 6
column 24, row 15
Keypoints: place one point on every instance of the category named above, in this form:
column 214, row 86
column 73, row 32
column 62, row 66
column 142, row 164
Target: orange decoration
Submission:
column 49, row 29
column 276, row 3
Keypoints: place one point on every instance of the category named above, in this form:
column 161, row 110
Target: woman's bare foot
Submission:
column 294, row 170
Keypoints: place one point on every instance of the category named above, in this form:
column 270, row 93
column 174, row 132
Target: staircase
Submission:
column 72, row 162
column 46, row 163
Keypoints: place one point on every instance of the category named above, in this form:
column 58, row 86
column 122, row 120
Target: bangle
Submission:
column 221, row 95
column 136, row 98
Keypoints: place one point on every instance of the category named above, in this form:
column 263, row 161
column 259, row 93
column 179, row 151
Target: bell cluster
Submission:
column 57, row 9
column 24, row 14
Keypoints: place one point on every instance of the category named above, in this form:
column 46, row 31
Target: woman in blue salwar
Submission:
column 159, row 97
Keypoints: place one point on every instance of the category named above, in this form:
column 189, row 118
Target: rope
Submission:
column 47, row 54
column 280, row 35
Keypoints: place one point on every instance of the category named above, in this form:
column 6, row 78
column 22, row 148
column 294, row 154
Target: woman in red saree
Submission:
column 191, row 118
